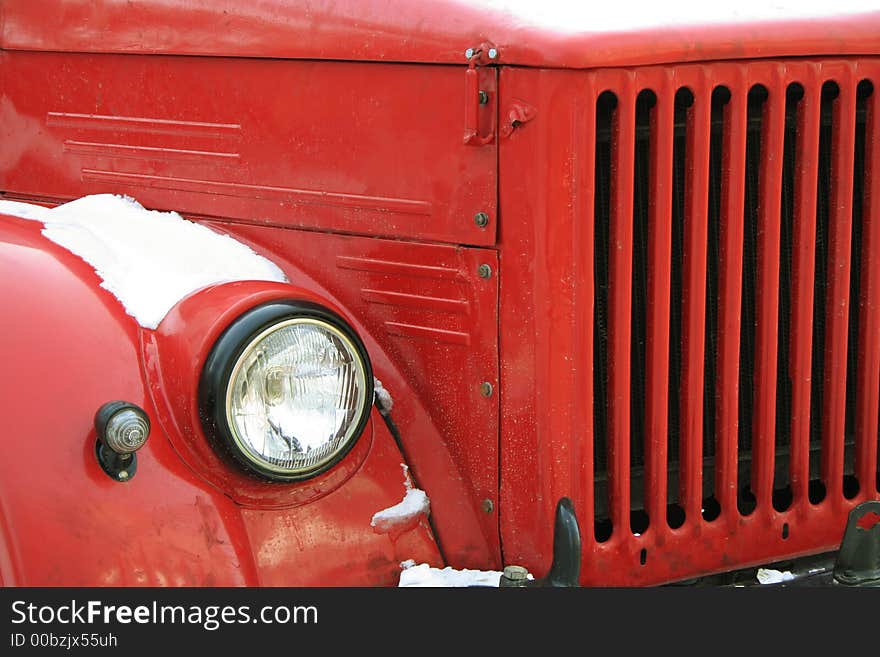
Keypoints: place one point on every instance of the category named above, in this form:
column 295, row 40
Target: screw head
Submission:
column 487, row 505
column 469, row 53
column 493, row 53
column 516, row 573
column 486, row 389
column 481, row 219
column 484, row 271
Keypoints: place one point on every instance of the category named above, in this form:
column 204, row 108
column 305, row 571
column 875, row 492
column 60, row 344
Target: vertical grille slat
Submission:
column 803, row 273
column 694, row 302
column 766, row 339
column 620, row 306
column 659, row 272
column 586, row 174
column 869, row 329
column 730, row 297
column 838, row 286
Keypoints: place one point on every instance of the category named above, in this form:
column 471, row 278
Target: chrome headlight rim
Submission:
column 228, row 353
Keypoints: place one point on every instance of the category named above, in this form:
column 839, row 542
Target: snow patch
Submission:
column 415, row 502
column 148, row 260
column 25, row 210
column 770, row 576
column 588, row 17
column 425, row 576
column 383, row 397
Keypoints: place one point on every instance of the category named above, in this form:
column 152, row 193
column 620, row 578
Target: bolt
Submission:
column 488, row 506
column 486, row 389
column 493, row 53
column 123, row 475
column 484, row 97
column 516, row 573
column 481, row 219
column 484, row 271
column 469, row 53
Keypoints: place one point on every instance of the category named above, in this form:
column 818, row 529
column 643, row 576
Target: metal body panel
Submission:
column 552, row 34
column 69, row 347
column 375, row 149
column 548, row 302
column 362, row 181
column 430, row 323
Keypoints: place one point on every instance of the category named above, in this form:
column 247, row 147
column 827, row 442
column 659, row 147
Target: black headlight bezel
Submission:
column 220, row 363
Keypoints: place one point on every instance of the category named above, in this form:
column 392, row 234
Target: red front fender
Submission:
column 68, row 347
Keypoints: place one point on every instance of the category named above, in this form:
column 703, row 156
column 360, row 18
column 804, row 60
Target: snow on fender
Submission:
column 148, row 260
column 405, row 513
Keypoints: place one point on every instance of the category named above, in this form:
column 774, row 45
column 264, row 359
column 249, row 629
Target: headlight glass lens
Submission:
column 295, row 396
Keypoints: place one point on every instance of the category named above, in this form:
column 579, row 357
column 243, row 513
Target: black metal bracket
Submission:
column 565, row 570
column 121, row 467
column 858, row 561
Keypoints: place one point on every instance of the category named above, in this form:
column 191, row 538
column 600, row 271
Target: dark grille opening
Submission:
column 851, row 484
column 720, row 98
column 684, row 99
column 645, row 103
column 782, row 494
column 830, row 91
column 606, row 105
column 757, row 98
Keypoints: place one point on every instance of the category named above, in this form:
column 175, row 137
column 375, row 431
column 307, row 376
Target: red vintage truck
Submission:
column 305, row 293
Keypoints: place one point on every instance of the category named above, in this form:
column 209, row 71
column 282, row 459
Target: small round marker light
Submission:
column 122, row 428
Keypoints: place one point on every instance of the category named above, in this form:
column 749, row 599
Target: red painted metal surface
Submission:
column 767, row 294
column 168, row 525
column 362, row 180
column 837, row 284
column 620, row 303
column 374, row 149
column 659, row 274
column 730, row 295
column 547, row 198
column 430, row 324
column 554, row 34
column 693, row 334
column 803, row 273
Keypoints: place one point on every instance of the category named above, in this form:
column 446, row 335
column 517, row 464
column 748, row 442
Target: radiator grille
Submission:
column 736, row 339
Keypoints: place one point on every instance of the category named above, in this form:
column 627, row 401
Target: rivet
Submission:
column 484, row 271
column 486, row 389
column 481, row 219
column 123, row 474
column 487, row 505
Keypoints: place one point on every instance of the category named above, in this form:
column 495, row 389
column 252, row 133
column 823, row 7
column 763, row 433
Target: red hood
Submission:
column 548, row 33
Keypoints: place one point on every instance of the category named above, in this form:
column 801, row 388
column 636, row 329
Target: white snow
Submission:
column 426, row 576
column 414, row 503
column 383, row 397
column 148, row 260
column 590, row 17
column 770, row 576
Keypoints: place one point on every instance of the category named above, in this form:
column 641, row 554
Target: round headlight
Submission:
column 287, row 388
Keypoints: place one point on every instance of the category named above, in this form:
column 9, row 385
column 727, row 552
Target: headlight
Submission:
column 287, row 389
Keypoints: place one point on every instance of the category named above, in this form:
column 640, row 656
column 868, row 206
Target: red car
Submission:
column 334, row 293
